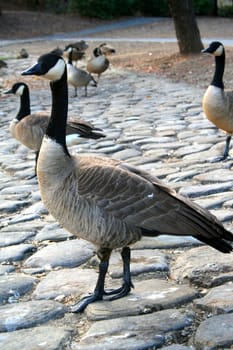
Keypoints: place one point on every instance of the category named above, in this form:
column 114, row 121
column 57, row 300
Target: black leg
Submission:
column 225, row 153
column 104, row 256
column 36, row 159
column 127, row 283
column 227, row 147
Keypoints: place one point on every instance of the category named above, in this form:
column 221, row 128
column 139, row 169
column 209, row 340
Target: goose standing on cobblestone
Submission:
column 217, row 103
column 98, row 64
column 108, row 202
column 29, row 129
column 78, row 77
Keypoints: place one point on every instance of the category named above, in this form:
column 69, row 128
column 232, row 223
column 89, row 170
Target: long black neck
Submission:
column 219, row 71
column 70, row 57
column 57, row 124
column 24, row 108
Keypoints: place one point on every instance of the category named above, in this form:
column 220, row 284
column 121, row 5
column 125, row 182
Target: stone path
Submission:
column 183, row 295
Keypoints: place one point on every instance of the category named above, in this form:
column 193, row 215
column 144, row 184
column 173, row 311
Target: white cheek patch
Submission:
column 219, row 51
column 19, row 91
column 56, row 72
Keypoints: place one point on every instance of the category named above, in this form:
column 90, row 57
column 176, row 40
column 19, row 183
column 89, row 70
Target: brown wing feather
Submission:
column 143, row 201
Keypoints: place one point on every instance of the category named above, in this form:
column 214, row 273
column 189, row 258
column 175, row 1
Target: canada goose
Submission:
column 78, row 53
column 108, row 202
column 29, row 129
column 78, row 77
column 218, row 104
column 23, row 54
column 107, row 49
column 81, row 45
column 98, row 64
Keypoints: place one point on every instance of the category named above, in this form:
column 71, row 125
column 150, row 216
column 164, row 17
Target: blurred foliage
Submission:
column 204, row 7
column 108, row 9
column 225, row 11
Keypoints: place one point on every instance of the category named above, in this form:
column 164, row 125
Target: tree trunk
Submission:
column 187, row 31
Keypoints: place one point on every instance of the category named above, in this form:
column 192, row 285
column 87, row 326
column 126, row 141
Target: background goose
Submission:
column 76, row 54
column 98, row 64
column 218, row 104
column 29, row 129
column 78, row 77
column 107, row 202
column 107, row 49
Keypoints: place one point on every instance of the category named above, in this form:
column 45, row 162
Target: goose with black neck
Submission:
column 108, row 202
column 217, row 103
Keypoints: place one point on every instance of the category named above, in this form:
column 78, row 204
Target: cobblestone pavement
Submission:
column 183, row 295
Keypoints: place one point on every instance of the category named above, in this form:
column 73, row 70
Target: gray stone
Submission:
column 66, row 282
column 126, row 154
column 15, row 252
column 5, row 269
column 165, row 242
column 217, row 300
column 177, row 347
column 38, row 338
column 142, row 261
column 18, row 189
column 128, row 342
column 215, row 333
column 204, row 190
column 11, row 238
column 14, row 285
column 141, row 328
column 29, row 314
column 147, row 296
column 10, row 206
column 53, row 232
column 201, row 265
column 219, row 175
column 66, row 254
column 215, row 200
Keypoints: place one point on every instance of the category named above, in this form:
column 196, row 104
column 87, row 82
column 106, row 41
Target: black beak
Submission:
column 10, row 91
column 34, row 70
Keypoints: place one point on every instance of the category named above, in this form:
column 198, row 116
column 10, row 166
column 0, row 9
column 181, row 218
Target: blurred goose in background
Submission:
column 29, row 129
column 108, row 202
column 78, row 52
column 98, row 64
column 81, row 45
column 217, row 103
column 78, row 77
column 107, row 49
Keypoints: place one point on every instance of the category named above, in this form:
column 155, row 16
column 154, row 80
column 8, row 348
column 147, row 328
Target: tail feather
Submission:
column 84, row 130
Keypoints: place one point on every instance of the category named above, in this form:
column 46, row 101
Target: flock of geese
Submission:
column 105, row 201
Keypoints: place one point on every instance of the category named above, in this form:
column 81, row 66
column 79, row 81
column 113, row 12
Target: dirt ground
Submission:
column 162, row 58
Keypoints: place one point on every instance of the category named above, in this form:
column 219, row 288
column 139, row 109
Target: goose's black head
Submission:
column 17, row 89
column 215, row 48
column 97, row 52
column 50, row 66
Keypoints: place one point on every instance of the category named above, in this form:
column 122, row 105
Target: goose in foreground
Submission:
column 217, row 103
column 78, row 77
column 29, row 129
column 98, row 64
column 108, row 202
